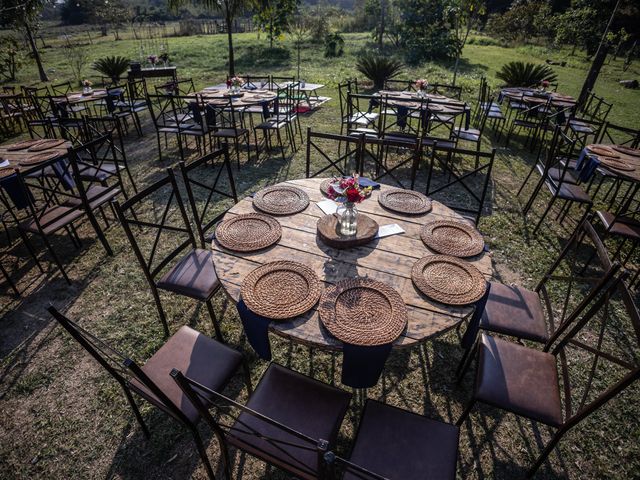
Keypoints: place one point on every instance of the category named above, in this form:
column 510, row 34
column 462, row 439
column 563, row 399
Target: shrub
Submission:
column 333, row 45
column 521, row 74
column 379, row 69
column 112, row 67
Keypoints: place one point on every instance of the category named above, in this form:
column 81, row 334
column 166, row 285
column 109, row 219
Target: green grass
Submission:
column 61, row 415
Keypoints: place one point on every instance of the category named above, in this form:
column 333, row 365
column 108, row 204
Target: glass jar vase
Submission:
column 347, row 218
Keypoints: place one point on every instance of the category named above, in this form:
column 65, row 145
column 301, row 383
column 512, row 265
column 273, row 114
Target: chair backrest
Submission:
column 276, row 81
column 228, row 425
column 596, row 108
column 618, row 135
column 98, row 126
column 121, row 368
column 175, row 111
column 253, row 82
column 400, row 85
column 359, row 106
column 464, row 181
column 222, row 114
column 98, row 154
column 330, row 154
column 595, row 336
column 61, row 88
column 72, row 129
column 182, row 87
column 560, row 151
column 36, row 91
column 208, row 181
column 405, row 115
column 451, row 91
column 137, row 88
column 158, row 209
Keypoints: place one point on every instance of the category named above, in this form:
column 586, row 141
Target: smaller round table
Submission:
column 387, row 259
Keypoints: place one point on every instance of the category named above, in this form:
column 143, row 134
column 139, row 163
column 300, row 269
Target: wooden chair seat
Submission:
column 193, row 276
column 102, row 173
column 362, row 118
column 577, row 126
column 306, row 405
column 208, row 362
column 555, row 174
column 518, row 379
column 396, row 443
column 53, row 219
column 442, row 143
column 628, row 227
column 514, row 311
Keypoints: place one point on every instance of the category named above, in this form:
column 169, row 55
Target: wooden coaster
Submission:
column 450, row 237
column 448, row 280
column 248, row 232
column 281, row 289
column 405, row 201
column 361, row 311
column 328, row 231
column 281, row 200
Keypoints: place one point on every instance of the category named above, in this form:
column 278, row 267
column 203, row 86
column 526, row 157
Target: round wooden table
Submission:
column 532, row 97
column 387, row 259
column 249, row 97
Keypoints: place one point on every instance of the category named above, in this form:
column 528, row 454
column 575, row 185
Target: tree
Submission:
column 22, row 16
column 229, row 9
column 424, row 32
column 299, row 28
column 273, row 16
column 465, row 15
column 111, row 12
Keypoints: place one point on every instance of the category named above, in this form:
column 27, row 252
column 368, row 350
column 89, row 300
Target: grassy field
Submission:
column 61, row 415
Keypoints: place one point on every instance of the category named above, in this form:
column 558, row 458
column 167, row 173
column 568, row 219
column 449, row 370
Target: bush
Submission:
column 521, row 74
column 112, row 67
column 379, row 69
column 524, row 20
column 333, row 45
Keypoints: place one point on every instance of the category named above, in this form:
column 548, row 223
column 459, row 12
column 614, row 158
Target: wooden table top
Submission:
column 631, row 160
column 533, row 97
column 79, row 97
column 15, row 157
column 249, row 97
column 387, row 259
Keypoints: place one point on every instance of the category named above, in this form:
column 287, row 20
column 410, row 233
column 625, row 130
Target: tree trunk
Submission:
column 382, row 22
column 229, row 22
column 36, row 54
column 592, row 76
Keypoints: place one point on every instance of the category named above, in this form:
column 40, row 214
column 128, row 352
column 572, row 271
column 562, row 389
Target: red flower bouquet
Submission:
column 347, row 190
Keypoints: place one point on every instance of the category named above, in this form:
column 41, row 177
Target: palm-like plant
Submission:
column 525, row 74
column 379, row 69
column 230, row 9
column 112, row 67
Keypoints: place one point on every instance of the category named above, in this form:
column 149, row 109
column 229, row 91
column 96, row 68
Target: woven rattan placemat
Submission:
column 451, row 237
column 281, row 200
column 248, row 232
column 405, row 201
column 448, row 280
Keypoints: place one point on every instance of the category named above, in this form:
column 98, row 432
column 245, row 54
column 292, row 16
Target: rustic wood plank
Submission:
column 389, row 260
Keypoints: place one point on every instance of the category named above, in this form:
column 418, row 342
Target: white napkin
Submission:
column 328, row 206
column 4, row 163
column 388, row 230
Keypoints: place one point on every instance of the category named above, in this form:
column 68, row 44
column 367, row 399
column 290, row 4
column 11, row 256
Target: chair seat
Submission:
column 555, row 174
column 496, row 115
column 518, row 379
column 442, row 143
column 398, row 444
column 567, row 191
column 97, row 195
column 580, row 127
column 53, row 219
column 230, row 132
column 516, row 312
column 468, row 134
column 193, row 276
column 200, row 357
column 99, row 173
column 363, row 118
column 311, row 407
column 627, row 227
column 271, row 124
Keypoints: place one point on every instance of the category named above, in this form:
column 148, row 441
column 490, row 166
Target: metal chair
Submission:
column 289, row 421
column 208, row 362
column 324, row 154
column 175, row 264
